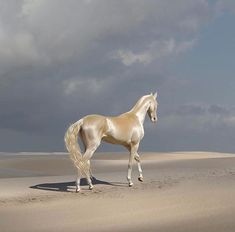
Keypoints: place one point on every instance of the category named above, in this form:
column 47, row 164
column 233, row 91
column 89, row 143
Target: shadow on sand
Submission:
column 67, row 186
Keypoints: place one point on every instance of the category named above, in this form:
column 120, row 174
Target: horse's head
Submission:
column 152, row 110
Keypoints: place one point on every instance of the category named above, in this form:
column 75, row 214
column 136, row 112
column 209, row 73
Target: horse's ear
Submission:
column 155, row 95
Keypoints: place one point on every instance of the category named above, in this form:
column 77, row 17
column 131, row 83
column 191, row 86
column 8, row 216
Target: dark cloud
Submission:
column 219, row 110
column 61, row 60
column 201, row 110
column 194, row 110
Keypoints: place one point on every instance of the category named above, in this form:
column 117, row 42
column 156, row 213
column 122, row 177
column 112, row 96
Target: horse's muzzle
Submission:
column 154, row 119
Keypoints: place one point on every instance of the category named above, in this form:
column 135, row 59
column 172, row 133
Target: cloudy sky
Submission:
column 63, row 59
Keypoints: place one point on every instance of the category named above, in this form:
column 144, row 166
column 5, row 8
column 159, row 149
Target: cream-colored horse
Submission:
column 126, row 129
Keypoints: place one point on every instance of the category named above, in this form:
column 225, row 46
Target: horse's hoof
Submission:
column 141, row 179
column 78, row 190
column 130, row 184
column 91, row 187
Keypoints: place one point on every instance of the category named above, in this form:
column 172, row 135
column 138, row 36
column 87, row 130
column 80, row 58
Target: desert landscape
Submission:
column 145, row 75
column 181, row 192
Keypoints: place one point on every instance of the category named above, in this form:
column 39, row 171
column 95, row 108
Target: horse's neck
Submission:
column 140, row 109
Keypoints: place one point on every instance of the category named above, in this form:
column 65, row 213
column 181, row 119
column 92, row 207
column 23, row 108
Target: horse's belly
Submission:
column 113, row 140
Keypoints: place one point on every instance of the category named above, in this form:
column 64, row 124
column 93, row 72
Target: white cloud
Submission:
column 155, row 52
column 128, row 57
column 170, row 47
column 184, row 46
column 74, row 85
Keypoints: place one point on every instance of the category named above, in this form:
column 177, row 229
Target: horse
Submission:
column 126, row 130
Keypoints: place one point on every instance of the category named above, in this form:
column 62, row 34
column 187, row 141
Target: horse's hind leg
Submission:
column 87, row 156
column 130, row 170
column 78, row 181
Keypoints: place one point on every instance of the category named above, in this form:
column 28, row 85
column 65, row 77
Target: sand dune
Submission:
column 181, row 192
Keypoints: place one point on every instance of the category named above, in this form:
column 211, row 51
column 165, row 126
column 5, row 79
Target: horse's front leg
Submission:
column 133, row 150
column 137, row 158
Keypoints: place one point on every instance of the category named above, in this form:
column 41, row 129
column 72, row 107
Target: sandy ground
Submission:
column 181, row 192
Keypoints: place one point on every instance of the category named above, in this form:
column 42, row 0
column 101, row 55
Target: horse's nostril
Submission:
column 154, row 119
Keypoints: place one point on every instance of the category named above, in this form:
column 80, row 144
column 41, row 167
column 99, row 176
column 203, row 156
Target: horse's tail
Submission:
column 71, row 142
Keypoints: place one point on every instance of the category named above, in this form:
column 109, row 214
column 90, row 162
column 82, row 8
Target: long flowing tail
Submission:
column 71, row 142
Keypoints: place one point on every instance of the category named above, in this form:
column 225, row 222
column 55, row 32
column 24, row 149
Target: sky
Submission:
column 63, row 59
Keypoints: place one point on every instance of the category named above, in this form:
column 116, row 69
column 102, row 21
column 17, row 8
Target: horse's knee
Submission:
column 137, row 158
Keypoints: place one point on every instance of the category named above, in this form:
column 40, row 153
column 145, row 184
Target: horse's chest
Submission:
column 137, row 134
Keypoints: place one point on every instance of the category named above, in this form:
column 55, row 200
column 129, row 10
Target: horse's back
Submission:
column 95, row 124
column 94, row 121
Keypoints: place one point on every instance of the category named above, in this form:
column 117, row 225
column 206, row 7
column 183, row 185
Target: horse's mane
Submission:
column 140, row 102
